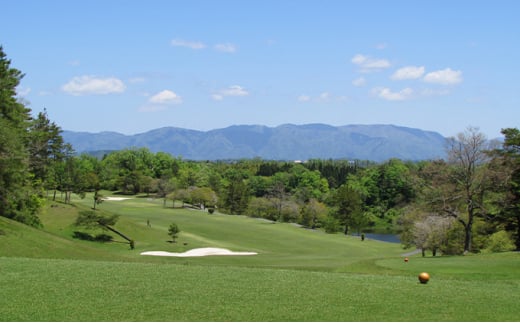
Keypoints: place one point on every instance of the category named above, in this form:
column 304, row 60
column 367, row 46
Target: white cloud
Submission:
column 368, row 64
column 165, row 97
column 359, row 82
column 234, row 90
column 188, row 44
column 387, row 94
column 446, row 77
column 304, row 98
column 408, row 73
column 217, row 97
column 226, row 48
column 21, row 91
column 83, row 85
column 325, row 96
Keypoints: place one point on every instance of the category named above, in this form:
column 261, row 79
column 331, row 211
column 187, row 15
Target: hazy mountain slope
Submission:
column 284, row 142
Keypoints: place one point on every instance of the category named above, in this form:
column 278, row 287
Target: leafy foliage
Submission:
column 173, row 231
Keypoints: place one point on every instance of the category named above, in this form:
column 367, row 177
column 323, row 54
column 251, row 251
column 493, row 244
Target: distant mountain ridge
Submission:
column 284, row 142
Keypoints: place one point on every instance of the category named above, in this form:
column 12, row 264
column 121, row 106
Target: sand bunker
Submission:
column 199, row 252
column 111, row 198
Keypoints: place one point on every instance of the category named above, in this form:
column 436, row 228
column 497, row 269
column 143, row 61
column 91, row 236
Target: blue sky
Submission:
column 133, row 66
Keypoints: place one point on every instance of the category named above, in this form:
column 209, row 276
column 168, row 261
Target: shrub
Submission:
column 211, row 210
column 499, row 242
column 454, row 244
column 173, row 231
column 331, row 225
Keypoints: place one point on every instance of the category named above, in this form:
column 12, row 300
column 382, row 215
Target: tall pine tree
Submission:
column 18, row 199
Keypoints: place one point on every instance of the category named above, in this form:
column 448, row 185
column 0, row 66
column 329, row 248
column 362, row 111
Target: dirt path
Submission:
column 411, row 253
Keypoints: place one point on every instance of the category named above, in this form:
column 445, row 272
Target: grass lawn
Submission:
column 298, row 274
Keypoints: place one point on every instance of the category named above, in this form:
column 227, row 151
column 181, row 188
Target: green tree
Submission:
column 19, row 199
column 204, row 197
column 235, row 191
column 45, row 148
column 93, row 219
column 347, row 205
column 313, row 214
column 506, row 166
column 468, row 180
column 173, row 231
column 261, row 207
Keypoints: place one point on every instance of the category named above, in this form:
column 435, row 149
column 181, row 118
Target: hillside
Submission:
column 284, row 142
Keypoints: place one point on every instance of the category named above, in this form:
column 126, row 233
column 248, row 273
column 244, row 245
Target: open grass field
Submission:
column 298, row 274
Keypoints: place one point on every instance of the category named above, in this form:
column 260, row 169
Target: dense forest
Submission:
column 466, row 203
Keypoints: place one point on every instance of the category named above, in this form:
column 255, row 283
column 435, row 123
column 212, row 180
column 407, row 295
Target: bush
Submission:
column 454, row 245
column 211, row 210
column 331, row 225
column 499, row 242
column 173, row 231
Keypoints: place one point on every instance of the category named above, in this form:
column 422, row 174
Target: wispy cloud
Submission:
column 323, row 97
column 369, row 64
column 387, row 94
column 225, row 48
column 189, row 44
column 23, row 91
column 197, row 45
column 445, row 77
column 408, row 73
column 304, row 98
column 359, row 82
column 85, row 85
column 234, row 90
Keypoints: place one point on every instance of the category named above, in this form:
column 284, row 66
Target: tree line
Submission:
column 466, row 203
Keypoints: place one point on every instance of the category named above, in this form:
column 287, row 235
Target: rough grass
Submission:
column 299, row 275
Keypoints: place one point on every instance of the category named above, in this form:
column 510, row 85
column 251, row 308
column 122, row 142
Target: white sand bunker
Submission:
column 112, row 198
column 199, row 252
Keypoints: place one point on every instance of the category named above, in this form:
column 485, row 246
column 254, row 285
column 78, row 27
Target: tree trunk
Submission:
column 121, row 235
column 346, row 229
column 467, row 238
column 467, row 229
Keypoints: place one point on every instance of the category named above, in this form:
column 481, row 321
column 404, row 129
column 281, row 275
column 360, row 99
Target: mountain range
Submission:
column 285, row 142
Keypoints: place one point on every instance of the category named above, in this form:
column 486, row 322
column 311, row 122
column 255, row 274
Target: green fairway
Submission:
column 298, row 274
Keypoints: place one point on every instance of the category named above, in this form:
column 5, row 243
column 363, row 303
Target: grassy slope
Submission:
column 338, row 278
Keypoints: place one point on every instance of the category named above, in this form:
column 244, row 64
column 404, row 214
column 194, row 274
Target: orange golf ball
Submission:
column 424, row 278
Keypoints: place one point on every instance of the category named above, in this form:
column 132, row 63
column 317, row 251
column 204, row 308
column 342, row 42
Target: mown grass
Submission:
column 75, row 290
column 298, row 275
